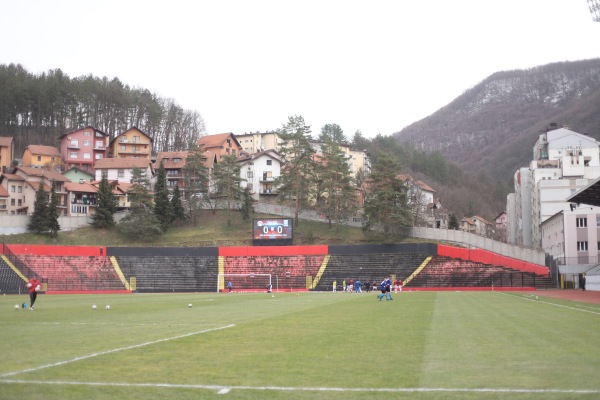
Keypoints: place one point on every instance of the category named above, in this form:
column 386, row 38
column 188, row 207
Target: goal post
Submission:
column 245, row 282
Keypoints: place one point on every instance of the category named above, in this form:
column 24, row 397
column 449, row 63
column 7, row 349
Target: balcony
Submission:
column 268, row 192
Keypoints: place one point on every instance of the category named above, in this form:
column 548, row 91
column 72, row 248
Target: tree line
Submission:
column 37, row 109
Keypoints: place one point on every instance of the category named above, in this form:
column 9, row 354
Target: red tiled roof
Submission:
column 217, row 140
column 167, row 158
column 3, row 192
column 108, row 163
column 80, row 187
column 50, row 174
column 42, row 150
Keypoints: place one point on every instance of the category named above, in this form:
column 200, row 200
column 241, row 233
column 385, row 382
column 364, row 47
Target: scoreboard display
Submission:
column 272, row 232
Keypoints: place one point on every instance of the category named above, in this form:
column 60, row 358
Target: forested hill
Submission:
column 39, row 108
column 492, row 127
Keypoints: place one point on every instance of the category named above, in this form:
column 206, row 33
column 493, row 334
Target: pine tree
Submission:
column 140, row 222
column 227, row 180
column 162, row 206
column 178, row 210
column 53, row 224
column 339, row 195
column 452, row 222
column 106, row 206
column 297, row 181
column 385, row 199
column 38, row 221
column 247, row 203
column 195, row 177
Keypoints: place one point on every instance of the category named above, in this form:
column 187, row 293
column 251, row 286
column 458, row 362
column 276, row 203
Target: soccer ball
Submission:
column 273, row 296
column 107, row 307
column 16, row 306
column 190, row 305
column 93, row 307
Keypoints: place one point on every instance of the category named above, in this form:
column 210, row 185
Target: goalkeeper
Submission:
column 34, row 286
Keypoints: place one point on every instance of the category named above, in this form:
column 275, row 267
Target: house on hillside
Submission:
column 133, row 143
column 81, row 198
column 259, row 172
column 40, row 156
column 120, row 169
column 77, row 175
column 173, row 162
column 82, row 147
column 477, row 225
column 119, row 190
column 501, row 225
column 215, row 147
column 32, row 179
column 6, row 153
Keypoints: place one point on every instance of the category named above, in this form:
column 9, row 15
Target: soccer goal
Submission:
column 245, row 282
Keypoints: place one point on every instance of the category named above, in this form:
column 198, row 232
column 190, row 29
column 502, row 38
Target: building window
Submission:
column 87, row 156
column 86, row 133
column 104, row 174
column 74, row 143
column 99, row 144
column 87, row 142
column 12, row 202
column 249, row 174
column 136, row 139
column 98, row 156
column 19, row 189
column 13, row 188
column 74, row 154
column 121, row 173
column 582, row 222
column 582, row 246
column 269, row 162
column 123, row 147
column 39, row 158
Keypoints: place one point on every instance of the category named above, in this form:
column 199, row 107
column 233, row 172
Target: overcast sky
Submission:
column 245, row 66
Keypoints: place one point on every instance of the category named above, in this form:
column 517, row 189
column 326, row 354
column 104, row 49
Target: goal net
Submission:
column 244, row 282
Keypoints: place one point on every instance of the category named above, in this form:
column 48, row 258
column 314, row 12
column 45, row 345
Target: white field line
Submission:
column 552, row 304
column 223, row 389
column 135, row 346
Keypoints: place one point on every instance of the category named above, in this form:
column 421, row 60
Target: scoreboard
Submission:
column 272, row 232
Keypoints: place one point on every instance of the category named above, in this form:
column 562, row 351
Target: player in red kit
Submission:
column 34, row 286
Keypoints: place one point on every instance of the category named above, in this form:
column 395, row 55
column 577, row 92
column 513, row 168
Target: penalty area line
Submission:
column 135, row 346
column 224, row 389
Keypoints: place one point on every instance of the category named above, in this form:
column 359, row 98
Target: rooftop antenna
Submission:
column 594, row 6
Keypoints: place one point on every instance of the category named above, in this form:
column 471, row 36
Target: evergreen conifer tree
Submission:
column 38, row 221
column 53, row 224
column 106, row 206
column 162, row 206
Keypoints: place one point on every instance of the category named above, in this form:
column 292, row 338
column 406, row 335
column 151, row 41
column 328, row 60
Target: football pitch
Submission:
column 421, row 345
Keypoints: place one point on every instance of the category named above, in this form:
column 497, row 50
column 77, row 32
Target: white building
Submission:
column 256, row 142
column 120, row 169
column 564, row 162
column 572, row 238
column 259, row 171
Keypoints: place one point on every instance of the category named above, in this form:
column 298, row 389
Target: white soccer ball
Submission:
column 273, row 296
column 93, row 307
column 16, row 306
column 107, row 307
column 29, row 284
column 190, row 305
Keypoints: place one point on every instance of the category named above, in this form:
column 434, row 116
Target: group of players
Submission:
column 386, row 287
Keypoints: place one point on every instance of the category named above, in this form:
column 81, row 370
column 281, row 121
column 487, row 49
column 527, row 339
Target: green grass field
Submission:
column 422, row 345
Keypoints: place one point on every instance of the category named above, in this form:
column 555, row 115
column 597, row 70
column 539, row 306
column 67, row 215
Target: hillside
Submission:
column 492, row 127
